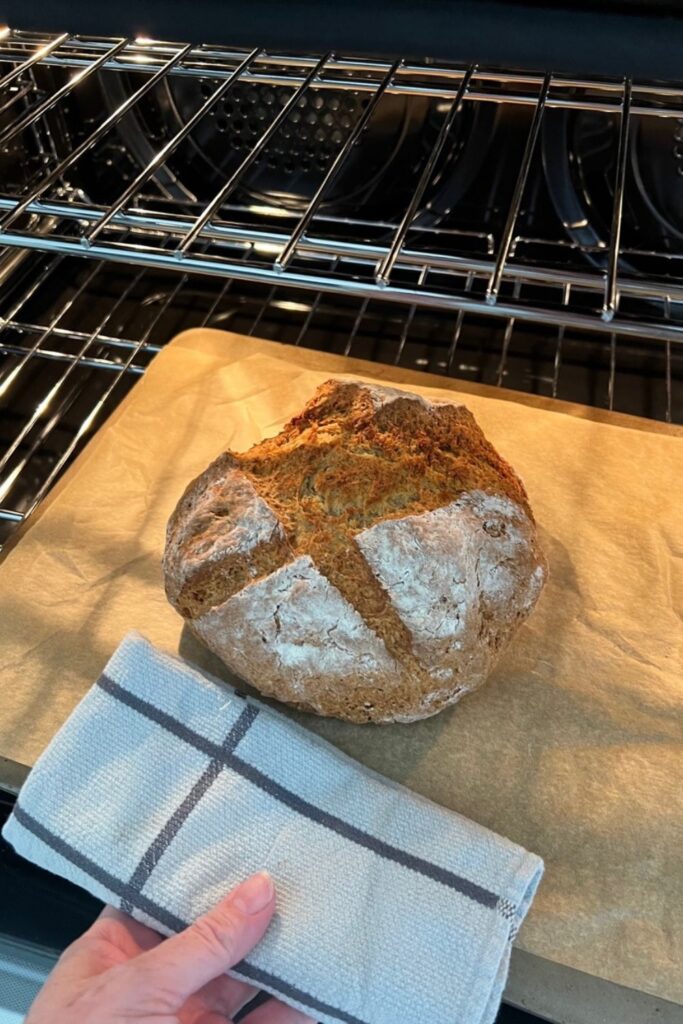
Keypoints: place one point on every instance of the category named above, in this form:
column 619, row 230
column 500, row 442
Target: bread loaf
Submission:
column 370, row 562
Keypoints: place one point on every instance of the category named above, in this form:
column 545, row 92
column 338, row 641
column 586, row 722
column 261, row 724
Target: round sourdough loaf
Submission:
column 370, row 562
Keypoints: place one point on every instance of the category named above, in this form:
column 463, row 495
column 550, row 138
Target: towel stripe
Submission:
column 297, row 803
column 168, row 919
column 122, row 889
column 170, row 830
column 269, row 981
column 167, row 722
column 356, row 835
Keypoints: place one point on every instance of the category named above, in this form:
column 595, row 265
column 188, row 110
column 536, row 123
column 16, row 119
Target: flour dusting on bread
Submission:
column 370, row 562
column 294, row 632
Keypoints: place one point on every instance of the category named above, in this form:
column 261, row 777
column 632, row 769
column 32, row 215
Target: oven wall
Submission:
column 643, row 38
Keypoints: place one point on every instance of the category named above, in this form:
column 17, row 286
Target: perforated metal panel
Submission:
column 22, row 972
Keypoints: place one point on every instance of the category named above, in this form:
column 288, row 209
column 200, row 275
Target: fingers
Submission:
column 275, row 1012
column 119, row 926
column 109, row 911
column 226, row 995
column 113, row 938
column 183, row 964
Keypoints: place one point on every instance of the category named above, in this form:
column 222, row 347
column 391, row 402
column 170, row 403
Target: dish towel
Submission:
column 165, row 788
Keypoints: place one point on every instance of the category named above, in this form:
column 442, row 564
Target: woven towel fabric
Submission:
column 165, row 788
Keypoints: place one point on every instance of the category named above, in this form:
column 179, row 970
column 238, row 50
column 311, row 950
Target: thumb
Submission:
column 215, row 942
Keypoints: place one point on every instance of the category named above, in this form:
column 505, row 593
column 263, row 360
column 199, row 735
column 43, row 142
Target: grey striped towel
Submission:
column 164, row 789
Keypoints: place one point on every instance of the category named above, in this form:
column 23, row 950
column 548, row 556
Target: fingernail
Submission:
column 253, row 895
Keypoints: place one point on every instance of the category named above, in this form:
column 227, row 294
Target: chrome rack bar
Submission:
column 218, row 299
column 285, row 256
column 356, row 326
column 387, row 264
column 24, row 327
column 507, row 337
column 561, row 103
column 312, row 311
column 57, row 386
column 457, row 330
column 445, row 300
column 26, row 91
column 99, row 405
column 34, row 59
column 408, row 322
column 227, row 285
column 611, row 284
column 403, row 89
column 64, row 308
column 168, row 148
column 10, row 262
column 209, row 66
column 508, row 231
column 30, row 292
column 212, row 54
column 7, row 484
column 557, row 361
column 318, row 248
column 166, row 224
column 54, row 356
column 262, row 309
column 95, row 136
column 222, row 194
column 309, row 316
column 52, row 100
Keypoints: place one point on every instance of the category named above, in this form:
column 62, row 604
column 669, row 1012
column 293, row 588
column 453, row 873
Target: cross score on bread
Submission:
column 370, row 562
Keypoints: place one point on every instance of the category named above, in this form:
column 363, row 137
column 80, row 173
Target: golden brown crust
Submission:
column 342, row 465
column 354, row 458
column 364, row 464
column 212, row 582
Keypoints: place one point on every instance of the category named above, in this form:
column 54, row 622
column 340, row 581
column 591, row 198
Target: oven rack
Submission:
column 497, row 270
column 77, row 334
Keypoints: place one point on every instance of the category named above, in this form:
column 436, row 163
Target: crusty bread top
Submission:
column 355, row 456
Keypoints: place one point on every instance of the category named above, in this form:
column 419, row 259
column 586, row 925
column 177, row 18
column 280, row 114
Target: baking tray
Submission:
column 573, row 746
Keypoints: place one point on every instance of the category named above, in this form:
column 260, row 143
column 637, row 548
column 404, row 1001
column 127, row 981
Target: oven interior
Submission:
column 504, row 227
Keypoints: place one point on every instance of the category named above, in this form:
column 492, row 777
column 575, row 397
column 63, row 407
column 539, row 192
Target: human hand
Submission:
column 120, row 972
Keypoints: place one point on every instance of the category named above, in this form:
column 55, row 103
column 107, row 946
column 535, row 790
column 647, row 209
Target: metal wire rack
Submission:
column 113, row 243
column 77, row 334
column 499, row 269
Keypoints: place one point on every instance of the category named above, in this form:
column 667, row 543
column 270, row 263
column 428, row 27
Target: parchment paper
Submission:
column 574, row 746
